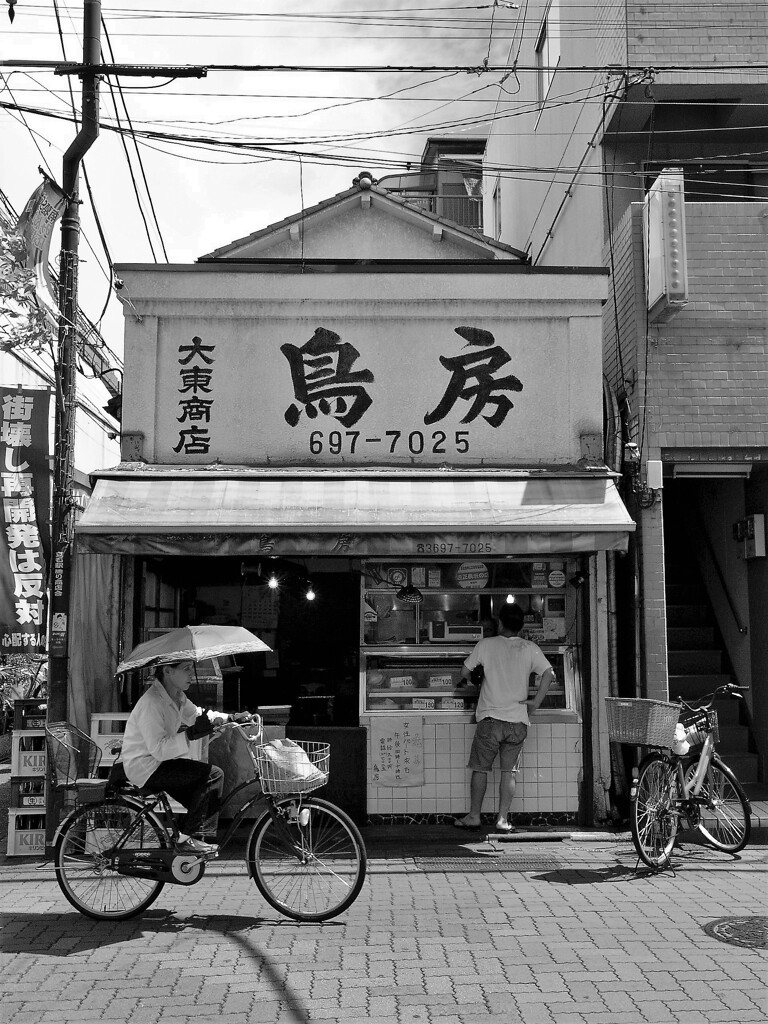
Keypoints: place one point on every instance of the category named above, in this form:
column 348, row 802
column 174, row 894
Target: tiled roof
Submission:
column 472, row 235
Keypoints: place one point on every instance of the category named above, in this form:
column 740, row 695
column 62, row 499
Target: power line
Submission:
column 138, row 155
column 337, row 69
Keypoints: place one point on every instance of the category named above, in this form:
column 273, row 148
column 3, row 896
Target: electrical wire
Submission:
column 647, row 311
column 138, row 155
column 612, row 263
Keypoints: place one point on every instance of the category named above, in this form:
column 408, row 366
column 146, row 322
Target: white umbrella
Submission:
column 192, row 643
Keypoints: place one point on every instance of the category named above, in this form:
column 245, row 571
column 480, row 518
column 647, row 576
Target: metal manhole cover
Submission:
column 740, row 931
column 487, row 863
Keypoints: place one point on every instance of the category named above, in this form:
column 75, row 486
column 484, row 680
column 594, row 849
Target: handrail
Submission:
column 711, row 551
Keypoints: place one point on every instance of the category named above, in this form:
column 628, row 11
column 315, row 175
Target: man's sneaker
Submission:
column 196, row 847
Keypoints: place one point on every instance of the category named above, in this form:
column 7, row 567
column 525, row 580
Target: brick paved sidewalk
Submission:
column 541, row 931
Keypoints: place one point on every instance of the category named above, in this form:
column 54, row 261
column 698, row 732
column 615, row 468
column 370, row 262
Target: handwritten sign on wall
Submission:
column 397, row 751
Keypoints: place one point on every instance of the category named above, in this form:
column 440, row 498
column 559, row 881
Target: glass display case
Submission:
column 409, row 680
column 420, row 622
column 413, row 680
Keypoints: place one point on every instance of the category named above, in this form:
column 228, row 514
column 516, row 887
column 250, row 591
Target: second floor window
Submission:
column 547, row 50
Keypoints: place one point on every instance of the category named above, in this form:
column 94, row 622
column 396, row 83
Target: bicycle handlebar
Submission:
column 706, row 702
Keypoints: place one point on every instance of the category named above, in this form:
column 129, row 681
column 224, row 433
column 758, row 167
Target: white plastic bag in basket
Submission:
column 680, row 744
column 291, row 760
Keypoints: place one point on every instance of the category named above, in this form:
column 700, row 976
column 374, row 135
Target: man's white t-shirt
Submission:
column 508, row 662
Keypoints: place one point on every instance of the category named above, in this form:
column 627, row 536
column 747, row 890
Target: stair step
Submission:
column 744, row 766
column 733, row 738
column 688, row 615
column 707, row 660
column 682, row 593
column 687, row 638
column 694, row 686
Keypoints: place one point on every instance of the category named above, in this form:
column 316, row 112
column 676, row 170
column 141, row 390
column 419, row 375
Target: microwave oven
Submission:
column 447, row 633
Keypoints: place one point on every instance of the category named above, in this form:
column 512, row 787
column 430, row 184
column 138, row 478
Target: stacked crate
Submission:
column 26, row 814
column 106, row 732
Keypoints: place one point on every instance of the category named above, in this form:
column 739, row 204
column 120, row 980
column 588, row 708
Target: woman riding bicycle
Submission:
column 156, row 754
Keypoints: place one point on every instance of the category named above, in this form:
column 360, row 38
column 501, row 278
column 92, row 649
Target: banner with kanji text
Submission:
column 25, row 486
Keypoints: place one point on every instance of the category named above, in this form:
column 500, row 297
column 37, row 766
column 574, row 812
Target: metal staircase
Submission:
column 698, row 662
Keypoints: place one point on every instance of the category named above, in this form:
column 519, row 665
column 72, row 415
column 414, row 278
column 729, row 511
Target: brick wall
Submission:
column 661, row 32
column 707, row 367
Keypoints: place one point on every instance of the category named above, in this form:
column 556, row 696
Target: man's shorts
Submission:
column 493, row 737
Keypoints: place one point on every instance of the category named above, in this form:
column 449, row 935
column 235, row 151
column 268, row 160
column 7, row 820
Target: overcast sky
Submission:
column 205, row 196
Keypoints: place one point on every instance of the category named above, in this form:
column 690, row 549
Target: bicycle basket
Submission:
column 641, row 722
column 697, row 727
column 72, row 754
column 289, row 767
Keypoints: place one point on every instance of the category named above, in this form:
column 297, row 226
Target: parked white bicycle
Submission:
column 686, row 785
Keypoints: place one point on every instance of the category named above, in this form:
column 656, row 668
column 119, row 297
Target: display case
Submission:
column 420, row 622
column 414, row 680
column 407, row 679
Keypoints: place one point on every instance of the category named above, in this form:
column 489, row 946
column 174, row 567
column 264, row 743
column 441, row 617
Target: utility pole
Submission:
column 62, row 527
column 66, row 381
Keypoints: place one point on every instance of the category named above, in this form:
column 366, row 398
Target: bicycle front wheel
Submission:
column 309, row 860
column 724, row 819
column 653, row 815
column 81, row 859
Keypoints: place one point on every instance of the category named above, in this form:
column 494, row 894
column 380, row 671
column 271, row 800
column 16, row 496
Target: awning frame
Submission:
column 230, row 510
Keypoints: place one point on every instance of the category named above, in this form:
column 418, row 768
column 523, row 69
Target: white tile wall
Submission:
column 548, row 779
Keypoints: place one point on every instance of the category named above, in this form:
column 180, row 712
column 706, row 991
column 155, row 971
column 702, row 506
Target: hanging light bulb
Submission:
column 310, row 594
column 510, row 598
column 273, row 583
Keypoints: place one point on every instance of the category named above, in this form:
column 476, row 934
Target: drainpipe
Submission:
column 613, row 457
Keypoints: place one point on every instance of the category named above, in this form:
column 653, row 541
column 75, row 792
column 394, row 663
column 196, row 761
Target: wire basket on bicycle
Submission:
column 642, row 722
column 698, row 722
column 74, row 760
column 286, row 766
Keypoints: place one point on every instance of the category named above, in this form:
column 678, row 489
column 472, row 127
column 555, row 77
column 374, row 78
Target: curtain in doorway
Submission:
column 94, row 637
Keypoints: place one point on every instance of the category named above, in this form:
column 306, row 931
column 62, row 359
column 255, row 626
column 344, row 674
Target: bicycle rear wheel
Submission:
column 81, row 859
column 653, row 815
column 724, row 818
column 309, row 863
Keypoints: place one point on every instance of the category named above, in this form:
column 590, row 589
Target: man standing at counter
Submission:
column 502, row 711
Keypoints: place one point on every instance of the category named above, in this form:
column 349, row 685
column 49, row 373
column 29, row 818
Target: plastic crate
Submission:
column 29, row 714
column 28, row 792
column 106, row 730
column 28, row 756
column 641, row 722
column 26, row 833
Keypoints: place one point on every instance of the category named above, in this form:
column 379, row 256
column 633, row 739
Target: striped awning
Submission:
column 318, row 513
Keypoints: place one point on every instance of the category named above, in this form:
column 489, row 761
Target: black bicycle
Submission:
column 115, row 851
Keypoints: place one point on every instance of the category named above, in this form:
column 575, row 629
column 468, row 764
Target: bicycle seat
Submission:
column 118, row 782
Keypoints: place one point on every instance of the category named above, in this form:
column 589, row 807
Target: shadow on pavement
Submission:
column 61, row 935
column 589, row 876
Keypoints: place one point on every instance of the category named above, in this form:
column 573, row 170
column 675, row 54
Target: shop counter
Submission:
column 346, row 785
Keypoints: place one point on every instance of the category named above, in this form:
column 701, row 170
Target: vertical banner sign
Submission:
column 24, row 543
column 36, row 224
column 397, row 751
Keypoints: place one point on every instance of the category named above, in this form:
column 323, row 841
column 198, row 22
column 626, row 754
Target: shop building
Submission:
column 357, row 432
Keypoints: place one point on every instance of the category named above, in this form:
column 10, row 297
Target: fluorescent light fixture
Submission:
column 711, row 470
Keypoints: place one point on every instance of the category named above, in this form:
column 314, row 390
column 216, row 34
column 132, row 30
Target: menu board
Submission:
column 397, row 751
